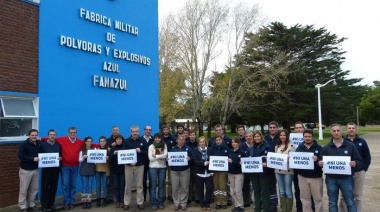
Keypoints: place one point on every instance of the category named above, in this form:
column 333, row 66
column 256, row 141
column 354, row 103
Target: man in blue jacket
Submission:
column 310, row 181
column 359, row 175
column 338, row 146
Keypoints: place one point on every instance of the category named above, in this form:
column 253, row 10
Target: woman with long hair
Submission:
column 285, row 177
column 157, row 154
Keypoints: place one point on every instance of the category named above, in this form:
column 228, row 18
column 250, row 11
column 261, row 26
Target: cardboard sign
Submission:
column 252, row 165
column 126, row 156
column 177, row 159
column 296, row 139
column 277, row 161
column 301, row 160
column 97, row 156
column 218, row 163
column 48, row 160
column 336, row 165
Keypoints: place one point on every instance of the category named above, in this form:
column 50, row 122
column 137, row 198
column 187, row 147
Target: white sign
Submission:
column 126, row 156
column 277, row 161
column 336, row 165
column 97, row 156
column 48, row 160
column 296, row 139
column 218, row 163
column 252, row 165
column 301, row 160
column 177, row 159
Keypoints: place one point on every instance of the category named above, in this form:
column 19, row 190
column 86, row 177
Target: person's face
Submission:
column 273, row 129
column 308, row 138
column 202, row 143
column 298, row 128
column 135, row 132
column 192, row 136
column 165, row 131
column 52, row 135
column 157, row 139
column 115, row 131
column 119, row 141
column 33, row 136
column 181, row 141
column 186, row 133
column 256, row 138
column 103, row 142
column 72, row 134
column 180, row 130
column 336, row 132
column 218, row 141
column 88, row 143
column 351, row 130
column 218, row 131
column 282, row 137
column 249, row 138
column 235, row 144
column 148, row 131
column 241, row 132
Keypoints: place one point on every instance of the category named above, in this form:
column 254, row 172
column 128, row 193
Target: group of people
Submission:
column 194, row 181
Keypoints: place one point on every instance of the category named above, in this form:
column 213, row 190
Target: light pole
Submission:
column 319, row 86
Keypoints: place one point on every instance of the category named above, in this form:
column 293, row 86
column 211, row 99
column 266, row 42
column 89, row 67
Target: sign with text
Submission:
column 48, row 160
column 127, row 156
column 97, row 156
column 336, row 165
column 296, row 139
column 177, row 159
column 301, row 160
column 218, row 163
column 277, row 161
column 252, row 165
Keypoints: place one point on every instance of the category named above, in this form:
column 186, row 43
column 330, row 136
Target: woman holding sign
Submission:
column 102, row 172
column 285, row 177
column 87, row 172
column 203, row 175
column 235, row 176
column 260, row 181
column 117, row 171
column 157, row 154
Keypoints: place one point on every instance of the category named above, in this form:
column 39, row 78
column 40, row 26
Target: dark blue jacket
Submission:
column 271, row 141
column 363, row 149
column 199, row 164
column 131, row 143
column 219, row 150
column 170, row 141
column 260, row 150
column 182, row 149
column 226, row 142
column 235, row 156
column 115, row 168
column 27, row 151
column 190, row 144
column 346, row 149
column 149, row 142
column 316, row 149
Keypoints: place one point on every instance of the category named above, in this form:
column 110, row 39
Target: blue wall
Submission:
column 67, row 94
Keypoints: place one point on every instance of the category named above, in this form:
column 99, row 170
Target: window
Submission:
column 17, row 117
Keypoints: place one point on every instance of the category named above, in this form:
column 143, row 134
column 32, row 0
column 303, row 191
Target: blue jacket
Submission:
column 226, row 142
column 199, row 164
column 271, row 141
column 170, row 141
column 182, row 149
column 363, row 149
column 316, row 149
column 235, row 156
column 346, row 149
column 27, row 151
column 131, row 143
column 260, row 150
column 115, row 168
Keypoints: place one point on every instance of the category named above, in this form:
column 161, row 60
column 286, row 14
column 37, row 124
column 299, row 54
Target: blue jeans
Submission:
column 346, row 185
column 119, row 186
column 157, row 178
column 101, row 184
column 69, row 176
column 284, row 182
column 87, row 183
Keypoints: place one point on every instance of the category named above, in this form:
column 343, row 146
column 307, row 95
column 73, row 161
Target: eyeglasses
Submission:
column 149, row 129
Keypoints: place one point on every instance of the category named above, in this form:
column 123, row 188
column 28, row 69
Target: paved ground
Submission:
column 371, row 189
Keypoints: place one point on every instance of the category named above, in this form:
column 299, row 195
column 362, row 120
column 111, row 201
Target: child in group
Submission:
column 87, row 171
column 102, row 172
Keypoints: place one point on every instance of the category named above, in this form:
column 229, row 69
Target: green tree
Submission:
column 370, row 105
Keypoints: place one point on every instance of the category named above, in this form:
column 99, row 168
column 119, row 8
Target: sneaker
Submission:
column 154, row 207
column 161, row 207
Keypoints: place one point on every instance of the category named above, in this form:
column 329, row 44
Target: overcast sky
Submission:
column 359, row 21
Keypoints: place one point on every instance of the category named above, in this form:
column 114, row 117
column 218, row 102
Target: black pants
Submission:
column 205, row 199
column 49, row 183
column 145, row 186
column 247, row 189
column 273, row 190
